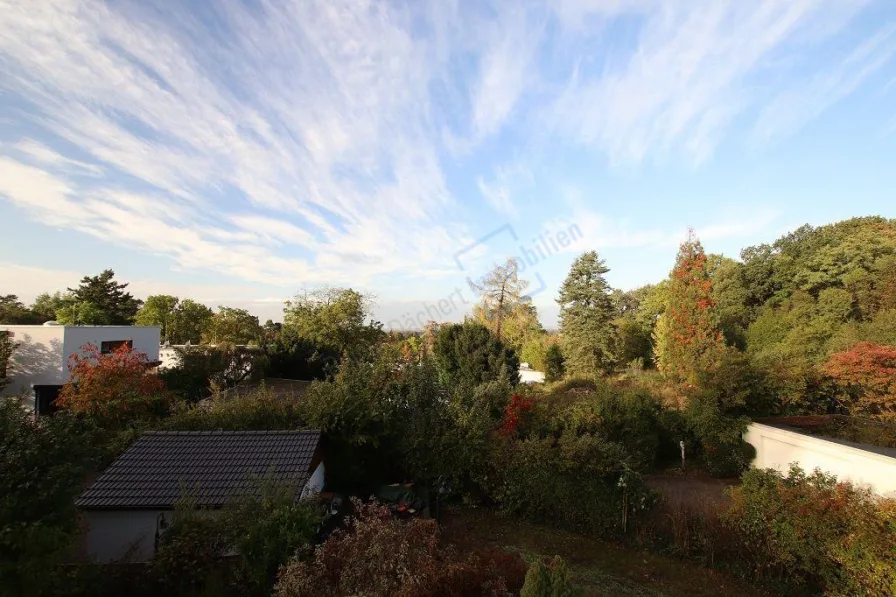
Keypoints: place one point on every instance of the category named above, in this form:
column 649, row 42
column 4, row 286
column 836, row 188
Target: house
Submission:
column 39, row 364
column 132, row 502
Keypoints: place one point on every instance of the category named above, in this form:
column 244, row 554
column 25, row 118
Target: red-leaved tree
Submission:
column 516, row 408
column 691, row 339
column 868, row 372
column 115, row 387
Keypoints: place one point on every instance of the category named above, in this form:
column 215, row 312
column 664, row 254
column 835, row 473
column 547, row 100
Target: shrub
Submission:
column 259, row 409
column 379, row 555
column 543, row 479
column 868, row 374
column 203, row 369
column 43, row 464
column 114, row 388
column 808, row 530
column 554, row 363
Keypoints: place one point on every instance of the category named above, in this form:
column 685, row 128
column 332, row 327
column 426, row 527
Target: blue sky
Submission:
column 239, row 151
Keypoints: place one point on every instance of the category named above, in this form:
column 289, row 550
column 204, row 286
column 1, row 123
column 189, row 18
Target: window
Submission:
column 113, row 345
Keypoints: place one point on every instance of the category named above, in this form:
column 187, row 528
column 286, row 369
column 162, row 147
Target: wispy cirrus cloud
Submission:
column 698, row 65
column 335, row 141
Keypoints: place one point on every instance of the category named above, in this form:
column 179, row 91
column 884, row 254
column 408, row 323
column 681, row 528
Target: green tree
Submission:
column 693, row 339
column 46, row 305
column 538, row 581
column 519, row 325
column 108, row 298
column 586, row 317
column 82, row 313
column 231, row 325
column 501, row 291
column 43, row 468
column 7, row 346
column 469, row 354
column 554, row 363
column 159, row 309
column 338, row 318
column 13, row 312
column 191, row 319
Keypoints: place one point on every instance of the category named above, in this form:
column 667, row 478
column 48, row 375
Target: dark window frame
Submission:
column 110, row 346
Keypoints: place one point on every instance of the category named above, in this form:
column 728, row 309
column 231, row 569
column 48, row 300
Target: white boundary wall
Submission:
column 777, row 448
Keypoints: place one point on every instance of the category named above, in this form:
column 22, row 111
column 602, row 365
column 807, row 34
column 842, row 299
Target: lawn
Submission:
column 597, row 567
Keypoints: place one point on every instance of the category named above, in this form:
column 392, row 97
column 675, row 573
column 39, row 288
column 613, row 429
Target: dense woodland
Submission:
column 806, row 325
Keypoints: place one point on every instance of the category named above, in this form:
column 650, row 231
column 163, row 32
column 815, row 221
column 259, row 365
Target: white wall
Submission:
column 777, row 448
column 37, row 360
column 316, row 483
column 145, row 339
column 115, row 534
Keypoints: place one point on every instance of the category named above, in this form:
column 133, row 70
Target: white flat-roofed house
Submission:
column 38, row 366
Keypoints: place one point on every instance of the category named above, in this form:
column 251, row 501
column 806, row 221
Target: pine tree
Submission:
column 586, row 315
column 109, row 303
column 689, row 337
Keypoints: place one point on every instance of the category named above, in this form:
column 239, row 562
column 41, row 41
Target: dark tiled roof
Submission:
column 212, row 466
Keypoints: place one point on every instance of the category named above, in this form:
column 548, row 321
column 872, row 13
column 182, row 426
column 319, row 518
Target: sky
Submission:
column 239, row 151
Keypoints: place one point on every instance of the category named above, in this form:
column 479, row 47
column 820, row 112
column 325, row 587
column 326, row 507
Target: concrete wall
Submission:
column 145, row 339
column 777, row 448
column 37, row 359
column 116, row 534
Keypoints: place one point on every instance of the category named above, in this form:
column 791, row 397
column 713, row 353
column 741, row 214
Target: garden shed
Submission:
column 131, row 503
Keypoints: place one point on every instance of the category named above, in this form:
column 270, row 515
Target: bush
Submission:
column 204, row 369
column 379, row 555
column 259, row 409
column 240, row 548
column 543, row 478
column 808, row 530
column 43, row 465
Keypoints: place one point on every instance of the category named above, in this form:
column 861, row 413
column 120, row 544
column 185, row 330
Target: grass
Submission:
column 596, row 567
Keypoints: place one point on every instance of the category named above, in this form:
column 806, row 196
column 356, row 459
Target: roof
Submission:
column 212, row 466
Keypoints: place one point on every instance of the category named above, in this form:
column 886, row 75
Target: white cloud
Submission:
column 696, row 66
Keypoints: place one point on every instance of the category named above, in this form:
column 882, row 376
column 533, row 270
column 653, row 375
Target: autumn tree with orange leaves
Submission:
column 868, row 373
column 113, row 388
column 688, row 336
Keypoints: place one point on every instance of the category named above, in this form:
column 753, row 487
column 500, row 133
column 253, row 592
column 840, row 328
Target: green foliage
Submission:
column 292, row 357
column 7, row 346
column 501, row 298
column 100, row 300
column 46, row 305
column 560, row 583
column 337, row 319
column 554, row 364
column 13, row 312
column 43, row 465
column 586, row 314
column 233, row 326
column 468, row 354
column 264, row 530
column 180, row 321
column 809, row 531
column 202, row 370
column 258, row 409
column 541, row 478
column 538, row 581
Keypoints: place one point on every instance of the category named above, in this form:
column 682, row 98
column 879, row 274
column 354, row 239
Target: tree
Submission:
column 113, row 388
column 43, row 468
column 12, row 311
column 468, row 354
column 235, row 326
column 108, row 297
column 500, row 292
column 693, row 341
column 46, row 305
column 159, row 309
column 82, row 313
column 191, row 319
column 519, row 325
column 338, row 318
column 203, row 369
column 868, row 373
column 554, row 363
column 7, row 346
column 586, row 316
